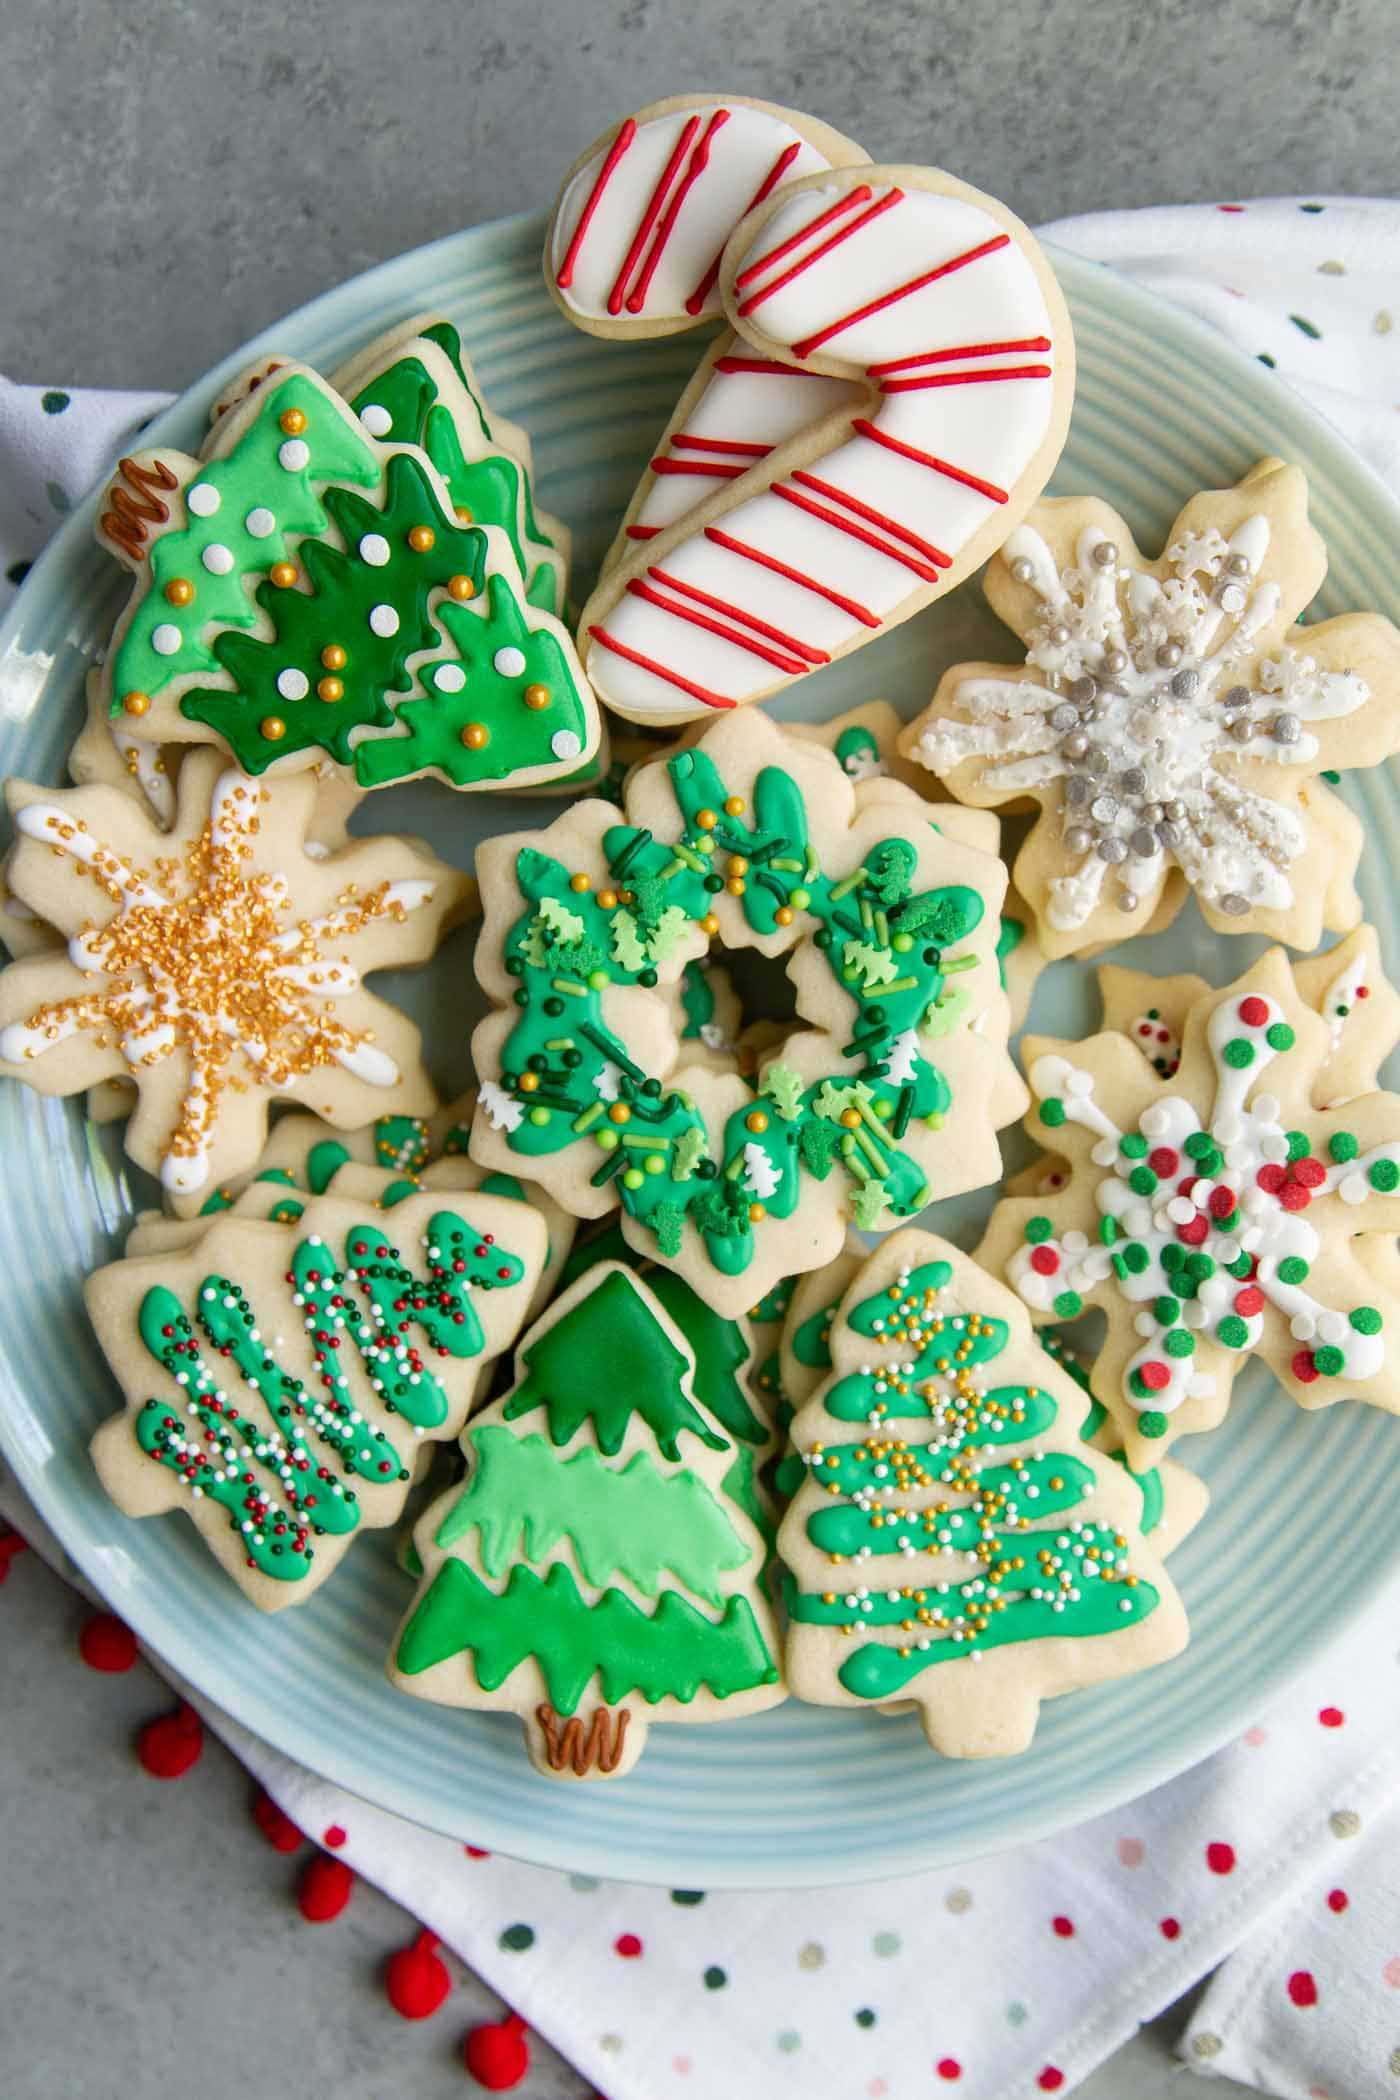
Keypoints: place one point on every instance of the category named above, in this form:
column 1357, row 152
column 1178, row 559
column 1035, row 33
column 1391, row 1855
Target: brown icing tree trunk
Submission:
column 568, row 1744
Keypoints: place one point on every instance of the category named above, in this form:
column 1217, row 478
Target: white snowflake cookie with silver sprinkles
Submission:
column 1171, row 719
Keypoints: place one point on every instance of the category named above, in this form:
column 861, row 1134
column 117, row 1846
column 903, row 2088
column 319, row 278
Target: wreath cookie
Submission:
column 1170, row 721
column 1235, row 1207
column 220, row 965
column 888, row 1096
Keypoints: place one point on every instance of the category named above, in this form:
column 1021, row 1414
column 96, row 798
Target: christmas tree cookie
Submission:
column 887, row 1096
column 1231, row 1209
column 306, row 594
column 955, row 1544
column 219, row 966
column 593, row 1575
column 1170, row 721
column 415, row 386
column 282, row 1381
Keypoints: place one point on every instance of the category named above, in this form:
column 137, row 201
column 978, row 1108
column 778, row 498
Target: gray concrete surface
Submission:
column 178, row 173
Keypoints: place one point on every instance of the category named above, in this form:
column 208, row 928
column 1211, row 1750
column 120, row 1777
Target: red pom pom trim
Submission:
column 106, row 1644
column 279, row 1829
column 325, row 1889
column 498, row 2055
column 167, row 1747
column 416, row 1980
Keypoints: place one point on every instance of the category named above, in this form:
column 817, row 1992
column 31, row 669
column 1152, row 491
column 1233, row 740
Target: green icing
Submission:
column 635, row 1521
column 885, row 947
column 810, row 1341
column 323, row 1162
column 251, row 478
column 668, row 1653
column 605, row 1361
column 1031, row 1583
column 402, row 1142
column 697, row 1000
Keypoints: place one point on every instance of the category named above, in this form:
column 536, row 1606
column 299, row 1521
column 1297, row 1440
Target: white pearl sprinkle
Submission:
column 376, row 419
column 294, row 455
column 449, row 678
column 374, row 549
column 217, row 558
column 293, row 684
column 260, row 522
column 383, row 620
column 509, row 663
column 202, row 498
column 166, row 639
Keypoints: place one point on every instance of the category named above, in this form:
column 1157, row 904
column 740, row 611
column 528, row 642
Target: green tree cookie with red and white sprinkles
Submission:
column 1215, row 1215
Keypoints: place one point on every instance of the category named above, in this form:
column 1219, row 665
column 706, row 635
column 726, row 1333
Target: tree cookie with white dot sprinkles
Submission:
column 1171, row 719
column 1225, row 1212
column 890, row 1093
column 283, row 1380
column 218, row 965
column 305, row 593
column 955, row 1543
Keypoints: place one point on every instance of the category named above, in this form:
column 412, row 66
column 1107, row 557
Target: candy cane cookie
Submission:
column 933, row 302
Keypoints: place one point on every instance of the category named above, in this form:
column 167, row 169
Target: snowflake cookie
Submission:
column 889, row 1095
column 220, row 965
column 1170, row 721
column 954, row 1541
column 1236, row 1207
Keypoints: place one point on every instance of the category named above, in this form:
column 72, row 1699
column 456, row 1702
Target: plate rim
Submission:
column 391, row 285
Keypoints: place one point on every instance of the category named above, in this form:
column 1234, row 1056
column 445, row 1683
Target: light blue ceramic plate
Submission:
column 798, row 1796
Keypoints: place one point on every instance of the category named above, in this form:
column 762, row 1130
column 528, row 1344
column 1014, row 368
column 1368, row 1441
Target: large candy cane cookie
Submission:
column 938, row 303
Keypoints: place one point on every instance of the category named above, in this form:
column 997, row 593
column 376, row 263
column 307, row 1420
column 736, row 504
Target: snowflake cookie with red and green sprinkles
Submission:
column 888, row 1095
column 1170, row 720
column 305, row 594
column 955, row 1542
column 219, row 965
column 283, row 1382
column 1223, row 1213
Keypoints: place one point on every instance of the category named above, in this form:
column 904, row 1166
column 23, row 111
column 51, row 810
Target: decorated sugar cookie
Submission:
column 415, row 386
column 281, row 1380
column 593, row 1575
column 307, row 593
column 218, row 966
column 955, row 1543
column 895, row 396
column 1214, row 1215
column 1170, row 721
column 885, row 1098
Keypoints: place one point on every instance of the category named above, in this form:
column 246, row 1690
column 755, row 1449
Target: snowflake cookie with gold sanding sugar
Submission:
column 1217, row 1214
column 1170, row 721
column 220, row 964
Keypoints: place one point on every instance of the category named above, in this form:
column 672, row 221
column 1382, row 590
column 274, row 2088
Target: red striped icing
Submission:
column 619, row 146
column 927, row 459
column 769, row 183
column 745, row 619
column 984, row 377
column 901, row 291
column 805, row 262
column 856, row 532
column 699, row 161
column 835, row 211
column 791, row 664
column 650, row 215
column 646, row 663
column 642, row 532
column 955, row 351
column 703, row 444
column 879, row 518
column 768, row 366
column 713, row 468
column 782, row 568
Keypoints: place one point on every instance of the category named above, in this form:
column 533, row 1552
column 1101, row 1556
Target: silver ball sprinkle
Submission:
column 1104, row 809
column 1144, row 842
column 1175, row 810
column 1238, row 696
column 1133, row 781
column 1022, row 570
column 1075, row 746
column 1239, row 728
column 1058, row 634
column 1104, row 555
column 1064, row 716
column 1128, row 900
column 1097, row 762
column 1168, row 654
column 1115, row 662
column 1152, row 813
column 1078, row 840
column 1082, row 690
column 1078, row 789
column 1186, row 685
column 1286, row 729
column 1112, row 850
column 1237, row 565
column 1168, row 835
column 1233, row 905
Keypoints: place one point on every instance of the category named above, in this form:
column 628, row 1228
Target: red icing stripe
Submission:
column 988, row 489
column 781, row 568
column 699, row 161
column 982, row 378
column 642, row 532
column 645, row 663
column 769, row 183
column 698, row 444
column 878, row 518
column 957, row 351
column 835, row 211
column 856, row 532
column 766, row 365
column 901, row 291
column 790, row 664
column 618, row 147
column 886, row 203
column 713, row 468
column 746, row 619
column 649, row 216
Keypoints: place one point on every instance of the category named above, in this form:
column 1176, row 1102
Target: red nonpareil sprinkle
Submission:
column 1271, row 1177
column 1155, row 1375
column 1163, row 1160
column 1303, row 1367
column 1044, row 1260
column 1337, row 1899
column 279, row 1829
column 325, row 1889
column 1193, row 1232
column 1170, row 1928
column 416, row 1980
column 1254, row 1011
column 1293, row 1196
column 1302, row 1989
column 1310, row 1172
column 1063, row 1928
column 498, row 2055
column 627, row 1945
column 105, row 1643
column 1331, row 1716
column 167, row 1747
column 1222, row 1202
column 1220, row 1858
column 1249, row 1301
column 948, row 2067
